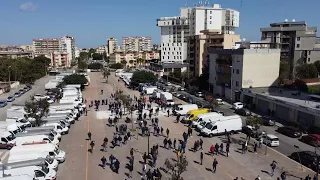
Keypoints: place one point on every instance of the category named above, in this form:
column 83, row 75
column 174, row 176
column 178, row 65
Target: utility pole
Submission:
column 9, row 76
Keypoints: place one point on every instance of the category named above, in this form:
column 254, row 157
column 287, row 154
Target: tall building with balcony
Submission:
column 234, row 69
column 112, row 46
column 136, row 44
column 198, row 46
column 299, row 43
column 130, row 58
column 176, row 30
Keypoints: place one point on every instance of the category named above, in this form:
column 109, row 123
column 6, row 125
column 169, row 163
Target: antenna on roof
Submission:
column 286, row 20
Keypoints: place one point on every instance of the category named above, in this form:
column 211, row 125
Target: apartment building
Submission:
column 51, row 46
column 198, row 48
column 136, row 44
column 234, row 69
column 58, row 59
column 299, row 43
column 101, row 49
column 253, row 45
column 27, row 47
column 14, row 52
column 118, row 57
column 175, row 30
column 112, row 46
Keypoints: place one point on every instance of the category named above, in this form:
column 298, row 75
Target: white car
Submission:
column 237, row 105
column 271, row 140
column 168, row 84
column 199, row 94
column 50, row 101
column 219, row 101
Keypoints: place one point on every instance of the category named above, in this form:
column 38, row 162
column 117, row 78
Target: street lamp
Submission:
column 9, row 76
column 297, row 147
column 231, row 83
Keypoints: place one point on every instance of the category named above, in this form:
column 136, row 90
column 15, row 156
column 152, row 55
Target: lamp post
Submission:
column 9, row 76
column 297, row 147
column 231, row 83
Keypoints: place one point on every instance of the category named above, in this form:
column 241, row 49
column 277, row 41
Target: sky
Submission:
column 92, row 22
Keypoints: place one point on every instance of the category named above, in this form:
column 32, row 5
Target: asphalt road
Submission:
column 37, row 88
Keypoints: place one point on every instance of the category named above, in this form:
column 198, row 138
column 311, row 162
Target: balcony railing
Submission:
column 223, row 61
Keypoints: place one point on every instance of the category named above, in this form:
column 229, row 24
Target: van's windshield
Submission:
column 186, row 116
column 49, row 159
column 62, row 124
column 53, row 132
column 203, row 123
column 209, row 126
column 23, row 120
column 45, row 169
column 51, row 138
column 11, row 137
column 56, row 150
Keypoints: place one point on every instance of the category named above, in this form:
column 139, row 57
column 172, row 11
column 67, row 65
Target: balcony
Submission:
column 285, row 50
column 224, row 61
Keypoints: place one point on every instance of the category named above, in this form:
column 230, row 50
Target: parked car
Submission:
column 3, row 103
column 4, row 145
column 11, row 98
column 181, row 89
column 307, row 158
column 243, row 112
column 17, row 94
column 271, row 140
column 21, row 91
column 251, row 131
column 237, row 105
column 168, row 84
column 289, row 131
column 311, row 139
column 199, row 94
column 267, row 121
column 220, row 101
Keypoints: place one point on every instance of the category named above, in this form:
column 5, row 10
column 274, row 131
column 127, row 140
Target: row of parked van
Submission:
column 206, row 122
column 34, row 151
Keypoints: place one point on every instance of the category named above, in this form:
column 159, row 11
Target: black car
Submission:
column 250, row 131
column 289, row 131
column 307, row 158
column 243, row 112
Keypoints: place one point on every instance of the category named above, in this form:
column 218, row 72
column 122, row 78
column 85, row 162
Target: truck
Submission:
column 68, row 113
column 25, row 122
column 149, row 90
column 184, row 109
column 166, row 97
column 231, row 124
column 51, row 85
column 57, row 119
column 58, row 127
column 201, row 117
column 67, row 118
column 50, row 149
column 47, row 160
column 156, row 93
column 31, row 139
column 16, row 112
column 43, row 130
column 12, row 128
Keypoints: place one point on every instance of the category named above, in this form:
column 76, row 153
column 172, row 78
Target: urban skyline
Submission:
column 37, row 13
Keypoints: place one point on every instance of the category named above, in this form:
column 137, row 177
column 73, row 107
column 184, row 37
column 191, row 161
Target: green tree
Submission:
column 131, row 62
column 95, row 66
column 97, row 56
column 91, row 51
column 37, row 110
column 176, row 168
column 82, row 65
column 124, row 62
column 143, row 77
column 306, row 71
column 84, row 56
column 317, row 64
column 300, row 85
column 254, row 121
column 116, row 66
column 75, row 79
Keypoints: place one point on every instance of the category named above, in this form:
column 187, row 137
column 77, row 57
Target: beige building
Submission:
column 136, row 44
column 58, row 59
column 14, row 52
column 118, row 57
column 234, row 69
column 112, row 46
column 198, row 47
column 27, row 47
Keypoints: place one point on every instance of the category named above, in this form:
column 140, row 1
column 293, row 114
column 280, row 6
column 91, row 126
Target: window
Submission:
column 232, row 70
column 298, row 45
column 210, row 22
column 210, row 17
column 162, row 57
column 237, row 83
column 210, row 12
column 237, row 71
column 168, row 57
column 308, row 59
column 169, row 49
column 180, row 49
column 309, row 52
column 174, row 49
column 174, row 57
column 164, row 53
column 298, row 38
column 180, row 56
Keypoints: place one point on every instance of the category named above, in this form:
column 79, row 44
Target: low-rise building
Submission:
column 131, row 57
column 14, row 52
column 58, row 59
column 231, row 70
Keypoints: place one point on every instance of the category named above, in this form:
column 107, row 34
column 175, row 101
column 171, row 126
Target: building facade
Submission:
column 136, row 44
column 112, row 46
column 299, row 43
column 175, row 30
column 234, row 69
column 198, row 48
column 131, row 57
column 15, row 52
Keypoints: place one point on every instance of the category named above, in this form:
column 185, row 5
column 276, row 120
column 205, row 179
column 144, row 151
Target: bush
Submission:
column 96, row 66
column 116, row 66
column 143, row 77
column 314, row 90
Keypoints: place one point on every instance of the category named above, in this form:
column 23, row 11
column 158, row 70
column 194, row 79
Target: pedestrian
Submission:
column 214, row 165
column 168, row 111
column 161, row 130
column 92, row 145
column 86, row 112
column 227, row 149
column 216, row 149
column 144, row 169
column 201, row 157
column 178, row 155
column 145, row 157
column 103, row 162
column 255, row 146
column 212, row 150
column 201, row 143
column 315, row 177
column 243, row 149
column 258, row 178
column 167, row 131
column 283, row 176
column 273, row 167
column 174, row 143
column 130, row 170
column 149, row 175
column 221, row 148
column 89, row 136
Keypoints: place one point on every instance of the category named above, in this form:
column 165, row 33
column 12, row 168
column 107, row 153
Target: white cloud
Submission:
column 29, row 6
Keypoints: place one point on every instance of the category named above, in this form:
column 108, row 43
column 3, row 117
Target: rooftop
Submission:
column 303, row 23
column 287, row 96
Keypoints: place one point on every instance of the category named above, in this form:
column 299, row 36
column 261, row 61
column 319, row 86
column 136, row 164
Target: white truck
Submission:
column 166, row 97
column 50, row 149
column 60, row 120
column 65, row 117
column 184, row 109
column 150, row 90
column 43, row 130
column 51, row 85
column 37, row 172
column 6, row 137
column 12, row 128
column 45, row 159
column 201, row 117
column 233, row 125
column 60, row 128
column 25, row 122
column 32, row 139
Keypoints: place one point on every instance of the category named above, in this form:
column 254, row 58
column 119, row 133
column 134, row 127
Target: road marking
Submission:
column 87, row 158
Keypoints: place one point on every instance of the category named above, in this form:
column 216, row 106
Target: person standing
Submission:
column 201, row 157
column 273, row 167
column 227, row 149
column 168, row 111
column 201, row 143
column 92, row 143
column 167, row 132
column 103, row 162
column 174, row 143
column 89, row 136
column 214, row 165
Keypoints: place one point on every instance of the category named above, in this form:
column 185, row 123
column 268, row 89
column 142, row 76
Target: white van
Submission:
column 201, row 117
column 67, row 118
column 184, row 109
column 150, row 90
column 7, row 137
column 35, row 139
column 63, row 122
column 38, row 173
column 49, row 162
column 38, row 130
column 23, row 121
column 12, row 128
column 49, row 148
column 271, row 140
column 219, row 127
column 20, row 177
column 58, row 127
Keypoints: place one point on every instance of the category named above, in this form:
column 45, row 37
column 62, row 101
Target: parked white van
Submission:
column 219, row 127
column 58, row 127
column 38, row 173
column 201, row 117
column 7, row 137
column 184, row 109
column 50, row 162
column 49, row 148
column 35, row 139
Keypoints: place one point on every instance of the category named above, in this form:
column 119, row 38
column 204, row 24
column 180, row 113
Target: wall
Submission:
column 260, row 67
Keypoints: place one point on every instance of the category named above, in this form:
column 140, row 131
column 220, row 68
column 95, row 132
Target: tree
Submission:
column 254, row 121
column 317, row 64
column 82, row 65
column 143, row 77
column 75, row 79
column 91, row 51
column 306, row 71
column 124, row 62
column 96, row 66
column 131, row 62
column 84, row 56
column 37, row 110
column 97, row 56
column 300, row 85
column 116, row 66
column 176, row 167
